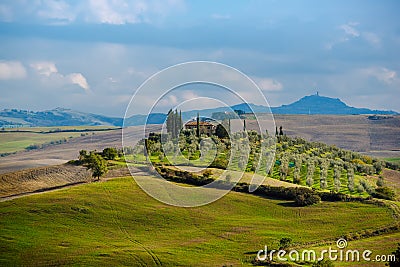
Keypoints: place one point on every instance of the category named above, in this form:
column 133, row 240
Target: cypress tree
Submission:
column 169, row 121
column 180, row 120
column 198, row 126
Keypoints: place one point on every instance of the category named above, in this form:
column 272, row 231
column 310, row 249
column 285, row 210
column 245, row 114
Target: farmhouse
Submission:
column 206, row 127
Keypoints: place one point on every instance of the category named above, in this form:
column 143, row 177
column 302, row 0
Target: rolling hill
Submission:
column 312, row 104
column 316, row 104
column 54, row 117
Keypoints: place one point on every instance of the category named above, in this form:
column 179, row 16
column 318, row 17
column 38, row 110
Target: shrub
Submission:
column 378, row 166
column 110, row 153
column 285, row 242
column 384, row 193
column 207, row 173
column 360, row 188
column 220, row 163
column 307, row 199
column 380, row 181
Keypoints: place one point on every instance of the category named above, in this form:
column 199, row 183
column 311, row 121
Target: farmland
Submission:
column 14, row 140
column 116, row 223
column 113, row 222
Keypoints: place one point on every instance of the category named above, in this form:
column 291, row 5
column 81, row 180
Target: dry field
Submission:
column 354, row 132
column 61, row 153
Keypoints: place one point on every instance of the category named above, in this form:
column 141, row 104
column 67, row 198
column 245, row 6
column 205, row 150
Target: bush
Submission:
column 384, row 193
column 110, row 153
column 220, row 163
column 207, row 173
column 285, row 242
column 307, row 199
column 380, row 181
column 360, row 188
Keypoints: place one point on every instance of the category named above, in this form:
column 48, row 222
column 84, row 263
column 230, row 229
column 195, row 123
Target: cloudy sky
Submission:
column 92, row 55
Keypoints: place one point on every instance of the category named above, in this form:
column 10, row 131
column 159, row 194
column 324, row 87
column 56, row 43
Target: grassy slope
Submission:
column 115, row 223
column 394, row 160
column 382, row 245
column 13, row 141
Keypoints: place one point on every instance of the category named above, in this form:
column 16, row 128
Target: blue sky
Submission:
column 92, row 55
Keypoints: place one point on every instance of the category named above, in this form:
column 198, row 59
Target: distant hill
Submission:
column 54, row 117
column 312, row 104
column 153, row 118
column 316, row 104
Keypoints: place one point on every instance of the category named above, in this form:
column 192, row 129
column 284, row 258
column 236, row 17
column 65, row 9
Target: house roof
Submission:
column 201, row 123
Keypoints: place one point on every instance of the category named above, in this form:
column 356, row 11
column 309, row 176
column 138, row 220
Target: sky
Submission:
column 92, row 55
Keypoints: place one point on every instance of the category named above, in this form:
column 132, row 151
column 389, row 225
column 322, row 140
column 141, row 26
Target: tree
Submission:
column 198, row 126
column 310, row 172
column 337, row 172
column 297, row 169
column 380, row 181
column 221, row 132
column 169, row 121
column 174, row 122
column 97, row 164
column 283, row 169
column 350, row 178
column 82, row 155
column 378, row 165
column 323, row 174
column 145, row 149
column 110, row 153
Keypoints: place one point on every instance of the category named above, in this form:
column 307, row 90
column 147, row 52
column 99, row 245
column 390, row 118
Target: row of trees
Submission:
column 174, row 122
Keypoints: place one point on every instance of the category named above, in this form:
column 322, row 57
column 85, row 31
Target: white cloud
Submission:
column 122, row 12
column 49, row 72
column 350, row 32
column 267, row 84
column 188, row 95
column 103, row 12
column 92, row 11
column 56, row 10
column 350, row 29
column 383, row 74
column 45, row 68
column 79, row 79
column 11, row 70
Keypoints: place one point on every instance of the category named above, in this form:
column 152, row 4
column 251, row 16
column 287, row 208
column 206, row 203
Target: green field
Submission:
column 394, row 160
column 25, row 137
column 116, row 223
